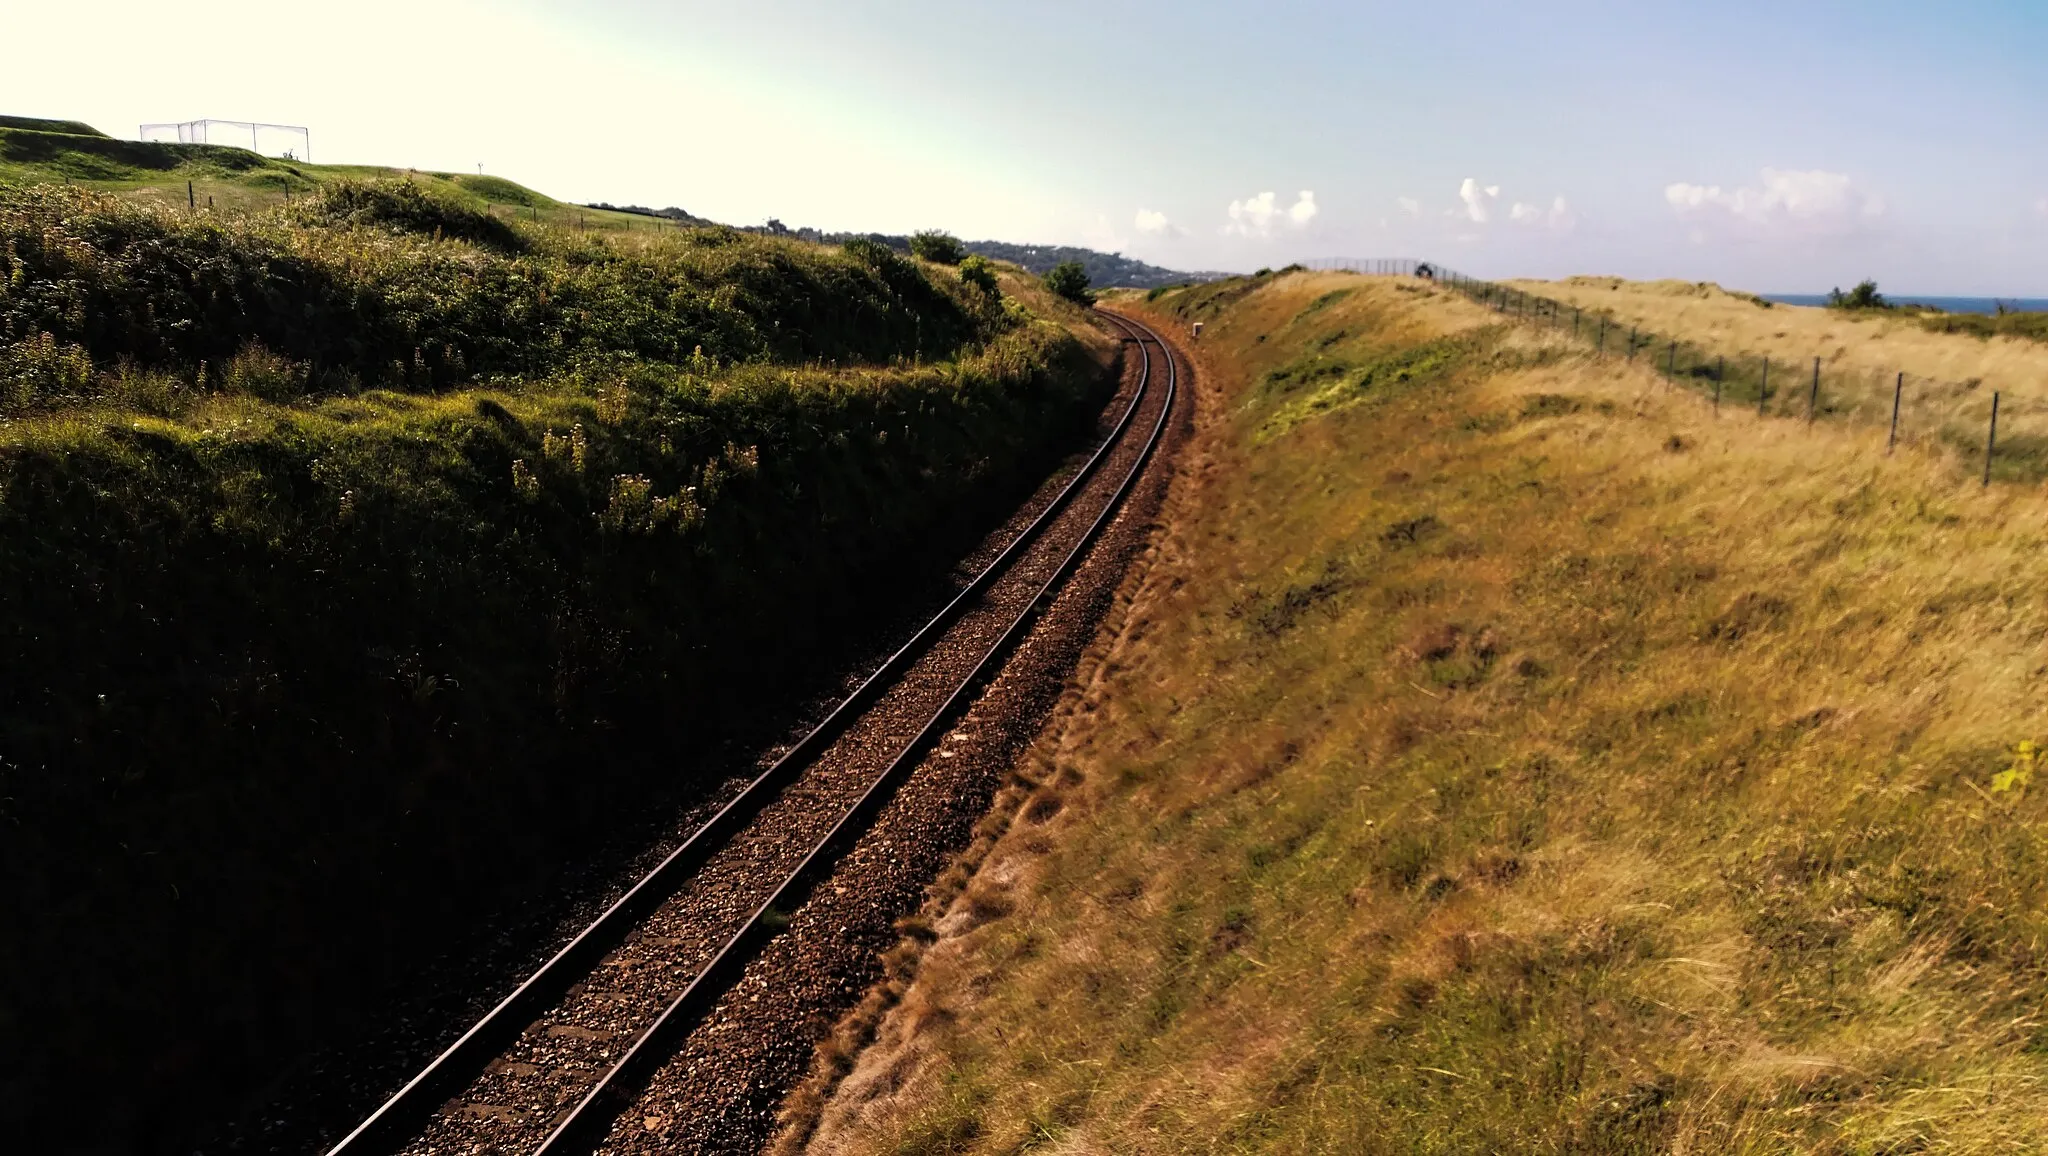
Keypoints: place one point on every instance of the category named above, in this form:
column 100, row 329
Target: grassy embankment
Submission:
column 1509, row 756
column 380, row 539
column 235, row 181
column 1948, row 382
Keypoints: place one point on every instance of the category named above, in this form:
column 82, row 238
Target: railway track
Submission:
column 553, row 1065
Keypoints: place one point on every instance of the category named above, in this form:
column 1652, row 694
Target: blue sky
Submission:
column 1776, row 147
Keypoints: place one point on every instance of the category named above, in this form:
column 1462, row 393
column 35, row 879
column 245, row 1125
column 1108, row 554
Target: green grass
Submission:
column 364, row 285
column 2031, row 326
column 1525, row 761
column 222, row 179
column 39, row 124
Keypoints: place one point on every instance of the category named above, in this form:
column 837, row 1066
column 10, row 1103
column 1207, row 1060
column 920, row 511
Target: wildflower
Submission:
column 524, row 483
column 2016, row 776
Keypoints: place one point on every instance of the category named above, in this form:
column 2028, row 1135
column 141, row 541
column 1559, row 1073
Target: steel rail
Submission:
column 585, row 1124
column 399, row 1116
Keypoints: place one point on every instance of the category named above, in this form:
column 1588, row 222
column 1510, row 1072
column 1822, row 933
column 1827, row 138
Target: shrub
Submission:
column 257, row 372
column 1070, row 280
column 405, row 207
column 933, row 245
column 1863, row 296
column 980, row 273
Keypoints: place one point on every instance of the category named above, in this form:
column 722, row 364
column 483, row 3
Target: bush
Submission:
column 933, row 245
column 405, row 207
column 1070, row 280
column 1863, row 296
column 980, row 273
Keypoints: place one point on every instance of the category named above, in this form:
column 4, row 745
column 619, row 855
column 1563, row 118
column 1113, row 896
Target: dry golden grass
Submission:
column 1949, row 377
column 1867, row 343
column 1515, row 758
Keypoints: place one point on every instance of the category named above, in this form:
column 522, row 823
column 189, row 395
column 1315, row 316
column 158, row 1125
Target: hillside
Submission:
column 223, row 178
column 382, row 537
column 1511, row 754
column 1104, row 269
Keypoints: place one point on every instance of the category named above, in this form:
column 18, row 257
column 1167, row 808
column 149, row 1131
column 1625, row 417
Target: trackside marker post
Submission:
column 1898, row 390
column 1991, row 441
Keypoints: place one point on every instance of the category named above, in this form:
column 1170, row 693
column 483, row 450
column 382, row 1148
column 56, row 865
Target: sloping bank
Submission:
column 1509, row 755
column 355, row 565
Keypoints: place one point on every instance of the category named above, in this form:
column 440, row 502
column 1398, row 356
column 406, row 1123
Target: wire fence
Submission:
column 2006, row 434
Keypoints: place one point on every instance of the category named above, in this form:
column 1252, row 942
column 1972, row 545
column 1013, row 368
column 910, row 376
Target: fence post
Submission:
column 1671, row 361
column 1720, row 370
column 191, row 201
column 1991, row 442
column 1763, row 390
column 1898, row 390
column 1813, row 398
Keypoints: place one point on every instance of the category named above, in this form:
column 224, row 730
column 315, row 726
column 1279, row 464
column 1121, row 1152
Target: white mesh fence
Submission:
column 274, row 140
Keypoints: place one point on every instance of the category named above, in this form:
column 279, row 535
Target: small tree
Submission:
column 933, row 245
column 1863, row 296
column 1070, row 280
column 980, row 272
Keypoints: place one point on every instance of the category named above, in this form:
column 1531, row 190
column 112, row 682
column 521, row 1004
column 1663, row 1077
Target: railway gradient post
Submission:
column 1898, row 391
column 1991, row 440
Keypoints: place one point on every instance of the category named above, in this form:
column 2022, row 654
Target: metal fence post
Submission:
column 1898, row 390
column 1991, row 441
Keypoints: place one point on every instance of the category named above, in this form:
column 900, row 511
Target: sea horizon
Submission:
column 1945, row 304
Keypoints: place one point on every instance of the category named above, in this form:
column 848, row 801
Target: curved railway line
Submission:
column 553, row 1066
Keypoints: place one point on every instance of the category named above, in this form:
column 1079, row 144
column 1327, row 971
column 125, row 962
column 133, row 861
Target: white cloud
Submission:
column 1102, row 236
column 1257, row 216
column 1478, row 201
column 1153, row 223
column 1810, row 200
column 1559, row 217
column 1481, row 203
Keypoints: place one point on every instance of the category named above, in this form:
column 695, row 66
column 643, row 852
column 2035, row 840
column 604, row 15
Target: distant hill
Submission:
column 672, row 213
column 1105, row 270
